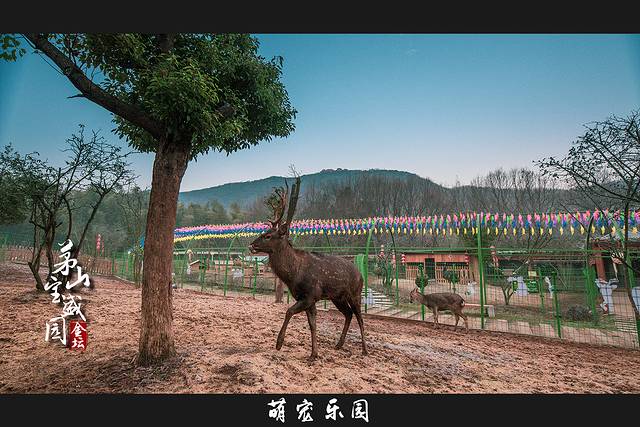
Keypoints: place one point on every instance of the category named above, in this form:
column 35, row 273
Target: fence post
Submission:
column 539, row 281
column 556, row 307
column 226, row 269
column 592, row 289
column 631, row 281
column 393, row 241
column 481, row 273
column 226, row 265
column 591, row 292
column 421, row 268
column 255, row 278
column 183, row 268
column 366, row 272
column 397, row 286
column 202, row 268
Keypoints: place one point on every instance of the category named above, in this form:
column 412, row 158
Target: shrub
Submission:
column 420, row 279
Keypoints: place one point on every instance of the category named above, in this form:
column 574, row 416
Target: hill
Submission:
column 246, row 192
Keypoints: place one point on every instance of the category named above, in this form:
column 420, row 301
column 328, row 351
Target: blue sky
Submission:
column 446, row 107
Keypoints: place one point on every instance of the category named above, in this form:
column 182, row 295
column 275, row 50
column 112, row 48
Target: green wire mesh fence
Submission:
column 576, row 295
column 579, row 295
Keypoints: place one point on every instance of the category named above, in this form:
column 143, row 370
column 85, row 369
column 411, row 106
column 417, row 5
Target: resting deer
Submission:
column 310, row 276
column 442, row 301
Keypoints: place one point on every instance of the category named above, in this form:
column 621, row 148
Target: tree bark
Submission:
column 156, row 335
column 34, row 264
column 50, row 239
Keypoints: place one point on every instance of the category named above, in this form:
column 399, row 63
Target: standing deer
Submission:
column 310, row 276
column 441, row 301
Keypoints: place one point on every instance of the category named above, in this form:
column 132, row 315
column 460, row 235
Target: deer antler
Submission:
column 295, row 191
column 277, row 202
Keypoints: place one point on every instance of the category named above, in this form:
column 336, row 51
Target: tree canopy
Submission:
column 212, row 91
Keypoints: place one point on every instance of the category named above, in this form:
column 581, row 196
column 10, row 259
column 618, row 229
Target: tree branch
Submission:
column 92, row 91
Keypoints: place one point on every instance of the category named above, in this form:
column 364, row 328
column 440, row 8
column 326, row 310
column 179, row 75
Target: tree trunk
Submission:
column 50, row 237
column 507, row 297
column 156, row 335
column 34, row 264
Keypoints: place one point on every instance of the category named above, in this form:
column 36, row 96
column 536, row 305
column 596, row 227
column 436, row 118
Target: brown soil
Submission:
column 227, row 345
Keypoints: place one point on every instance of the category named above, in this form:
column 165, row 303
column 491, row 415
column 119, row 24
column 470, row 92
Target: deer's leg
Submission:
column 311, row 317
column 356, row 309
column 435, row 317
column 457, row 319
column 464, row 317
column 294, row 309
column 348, row 315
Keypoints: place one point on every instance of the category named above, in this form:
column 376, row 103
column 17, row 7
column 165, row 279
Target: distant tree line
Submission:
column 551, row 188
column 512, row 191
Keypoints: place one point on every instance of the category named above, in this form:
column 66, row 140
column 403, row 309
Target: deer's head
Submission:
column 414, row 295
column 277, row 235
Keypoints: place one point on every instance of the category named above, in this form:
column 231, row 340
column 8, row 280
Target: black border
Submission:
column 321, row 17
column 370, row 17
column 384, row 410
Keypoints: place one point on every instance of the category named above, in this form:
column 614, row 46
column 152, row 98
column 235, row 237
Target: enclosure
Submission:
column 226, row 345
column 515, row 277
column 579, row 290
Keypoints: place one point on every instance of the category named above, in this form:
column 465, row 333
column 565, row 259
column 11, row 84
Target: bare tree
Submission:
column 92, row 165
column 603, row 165
column 514, row 191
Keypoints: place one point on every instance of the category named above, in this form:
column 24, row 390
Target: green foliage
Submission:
column 14, row 201
column 213, row 90
column 451, row 276
column 115, row 221
column 10, row 48
column 236, row 213
column 421, row 281
column 195, row 214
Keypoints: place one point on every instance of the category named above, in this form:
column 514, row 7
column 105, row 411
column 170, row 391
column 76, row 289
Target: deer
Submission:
column 309, row 276
column 441, row 301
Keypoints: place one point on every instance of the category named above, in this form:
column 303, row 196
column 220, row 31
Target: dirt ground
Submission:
column 227, row 345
